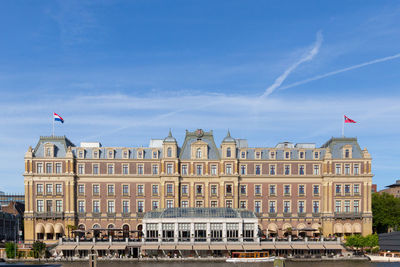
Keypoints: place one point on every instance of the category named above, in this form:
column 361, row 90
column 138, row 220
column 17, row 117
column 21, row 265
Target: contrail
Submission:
column 318, row 77
column 309, row 56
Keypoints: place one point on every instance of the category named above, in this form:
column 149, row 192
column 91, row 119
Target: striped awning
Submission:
column 101, row 247
column 282, row 246
column 267, row 245
column 333, row 246
column 234, row 247
column 299, row 246
column 149, row 247
column 65, row 247
column 217, row 247
column 117, row 247
column 167, row 246
column 251, row 247
column 184, row 247
column 201, row 247
column 316, row 246
column 84, row 247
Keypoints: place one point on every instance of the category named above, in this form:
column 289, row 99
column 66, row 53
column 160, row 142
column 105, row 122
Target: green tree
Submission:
column 70, row 228
column 39, row 249
column 11, row 250
column 371, row 241
column 386, row 212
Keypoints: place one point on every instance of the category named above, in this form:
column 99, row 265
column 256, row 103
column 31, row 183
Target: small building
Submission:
column 393, row 189
column 390, row 241
column 8, row 226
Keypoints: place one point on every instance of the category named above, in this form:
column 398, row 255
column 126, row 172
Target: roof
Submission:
column 397, row 184
column 191, row 137
column 61, row 144
column 336, row 145
column 199, row 213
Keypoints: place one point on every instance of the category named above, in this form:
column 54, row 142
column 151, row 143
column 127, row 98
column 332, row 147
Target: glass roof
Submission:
column 199, row 213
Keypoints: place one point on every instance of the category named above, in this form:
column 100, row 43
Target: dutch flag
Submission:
column 57, row 117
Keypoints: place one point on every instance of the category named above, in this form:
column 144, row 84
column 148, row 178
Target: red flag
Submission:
column 348, row 120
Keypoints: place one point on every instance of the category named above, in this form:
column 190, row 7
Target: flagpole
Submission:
column 343, row 127
column 52, row 118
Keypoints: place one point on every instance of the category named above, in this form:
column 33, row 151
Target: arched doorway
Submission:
column 111, row 228
column 125, row 231
column 96, row 233
column 140, row 228
column 81, row 230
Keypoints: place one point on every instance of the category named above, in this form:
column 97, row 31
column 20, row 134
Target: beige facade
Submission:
column 288, row 186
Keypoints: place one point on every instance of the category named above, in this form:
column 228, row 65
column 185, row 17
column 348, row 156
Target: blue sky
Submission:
column 122, row 72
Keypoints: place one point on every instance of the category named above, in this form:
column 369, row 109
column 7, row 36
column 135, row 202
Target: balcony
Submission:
column 301, row 214
column 348, row 215
column 286, row 194
column 110, row 214
column 316, row 214
column 287, row 214
column 96, row 214
column 49, row 215
column 140, row 214
column 81, row 214
column 126, row 214
column 258, row 214
column 272, row 214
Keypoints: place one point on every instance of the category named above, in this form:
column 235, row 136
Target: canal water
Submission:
column 223, row 264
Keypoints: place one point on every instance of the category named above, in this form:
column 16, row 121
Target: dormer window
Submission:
column 228, row 152
column 155, row 154
column 48, row 152
column 347, row 153
column 126, row 154
column 169, row 152
column 272, row 154
column 198, row 153
column 80, row 154
column 287, row 155
column 243, row 154
column 140, row 154
column 258, row 154
column 316, row 155
column 95, row 154
column 110, row 154
column 301, row 155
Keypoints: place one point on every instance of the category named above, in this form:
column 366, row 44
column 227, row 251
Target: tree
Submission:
column 356, row 242
column 11, row 250
column 386, row 212
column 70, row 228
column 39, row 248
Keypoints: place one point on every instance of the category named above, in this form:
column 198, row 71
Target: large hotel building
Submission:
column 288, row 186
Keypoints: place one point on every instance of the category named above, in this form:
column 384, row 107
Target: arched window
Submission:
column 347, row 153
column 228, row 152
column 125, row 231
column 169, row 152
column 198, row 153
column 111, row 232
column 96, row 233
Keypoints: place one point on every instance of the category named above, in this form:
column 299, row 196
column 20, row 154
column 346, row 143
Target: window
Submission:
column 199, row 189
column 125, row 190
column 39, row 189
column 301, row 190
column 96, row 206
column 287, row 169
column 347, row 206
column 81, row 189
column 301, row 206
column 59, row 206
column 315, row 206
column 125, row 169
column 301, row 155
column 95, row 168
column 140, row 206
column 214, row 204
column 48, row 152
column 243, row 189
column 257, row 206
column 338, row 189
column 81, row 206
column 170, row 189
column 155, row 154
column 257, row 189
column 155, row 190
column 110, row 189
column 272, row 155
column 140, row 169
column 272, row 206
column 316, row 190
column 286, row 206
column 316, row 169
column 258, row 169
column 214, row 189
column 140, row 189
column 154, row 205
column 170, row 203
column 155, row 169
column 125, row 206
column 287, row 155
column 356, row 205
column 49, row 189
column 198, row 153
column 184, row 189
column 39, row 167
column 286, row 189
column 184, row 170
column 40, row 205
column 243, row 169
column 272, row 190
column 169, row 152
column 58, row 167
column 338, row 206
column 338, row 169
column 243, row 154
column 95, row 154
column 347, row 169
column 49, row 168
column 49, row 205
column 258, row 155
column 110, row 206
column 96, row 189
column 347, row 153
column 199, row 203
column 228, row 152
column 356, row 189
column 242, row 204
column 301, row 170
column 316, row 155
column 213, row 169
column 347, row 189
column 356, row 170
column 228, row 204
column 185, row 204
column 58, row 189
column 228, row 169
column 80, row 154
column 81, row 169
column 125, row 154
column 140, row 154
column 199, row 169
column 272, row 169
column 169, row 168
column 110, row 169
column 110, row 154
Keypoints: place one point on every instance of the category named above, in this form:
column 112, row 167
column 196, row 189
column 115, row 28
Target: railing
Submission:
column 54, row 215
column 272, row 214
column 110, row 214
column 316, row 214
column 348, row 214
column 126, row 214
column 287, row 214
column 301, row 214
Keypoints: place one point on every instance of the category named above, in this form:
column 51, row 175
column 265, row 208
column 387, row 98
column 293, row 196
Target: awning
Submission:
column 149, row 247
column 84, row 247
column 333, row 246
column 347, row 228
column 267, row 245
column 66, row 247
column 234, row 247
column 299, row 246
column 59, row 229
column 49, row 229
column 39, row 228
column 118, row 247
column 338, row 229
column 101, row 247
column 357, row 228
column 282, row 246
column 217, row 247
column 316, row 246
column 251, row 247
column 201, row 247
column 184, row 247
column 167, row 246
